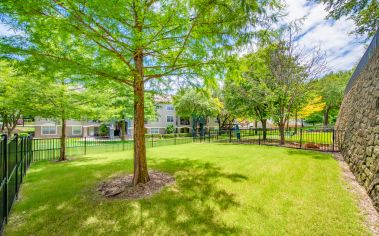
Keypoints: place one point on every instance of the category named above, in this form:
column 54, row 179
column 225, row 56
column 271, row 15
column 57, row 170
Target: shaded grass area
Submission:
column 221, row 189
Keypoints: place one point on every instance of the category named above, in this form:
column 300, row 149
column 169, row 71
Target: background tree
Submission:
column 291, row 69
column 130, row 41
column 17, row 95
column 365, row 13
column 64, row 99
column 196, row 104
column 331, row 88
column 119, row 105
column 311, row 111
column 249, row 96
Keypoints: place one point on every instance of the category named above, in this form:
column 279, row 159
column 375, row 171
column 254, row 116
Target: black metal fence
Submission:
column 15, row 158
column 326, row 140
column 49, row 149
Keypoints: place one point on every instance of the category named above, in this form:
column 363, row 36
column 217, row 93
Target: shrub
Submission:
column 170, row 129
column 166, row 136
column 103, row 130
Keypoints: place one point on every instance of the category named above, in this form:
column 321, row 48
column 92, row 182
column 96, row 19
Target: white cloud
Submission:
column 342, row 49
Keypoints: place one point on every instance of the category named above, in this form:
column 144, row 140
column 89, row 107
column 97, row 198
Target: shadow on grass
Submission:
column 192, row 206
column 310, row 153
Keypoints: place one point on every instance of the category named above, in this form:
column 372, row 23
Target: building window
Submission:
column 169, row 108
column 76, row 130
column 49, row 130
column 170, row 119
column 184, row 121
column 154, row 130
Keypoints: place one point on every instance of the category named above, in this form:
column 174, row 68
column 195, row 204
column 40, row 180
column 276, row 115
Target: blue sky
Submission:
column 343, row 50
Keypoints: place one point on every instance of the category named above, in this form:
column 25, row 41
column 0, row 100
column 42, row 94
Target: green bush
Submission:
column 23, row 134
column 154, row 136
column 170, row 129
column 103, row 130
column 166, row 136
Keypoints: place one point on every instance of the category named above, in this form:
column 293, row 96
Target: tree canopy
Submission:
column 194, row 104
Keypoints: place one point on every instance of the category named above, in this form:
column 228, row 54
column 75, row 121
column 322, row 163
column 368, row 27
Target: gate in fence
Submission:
column 15, row 158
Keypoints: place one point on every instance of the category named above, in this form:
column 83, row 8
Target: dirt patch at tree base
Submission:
column 122, row 186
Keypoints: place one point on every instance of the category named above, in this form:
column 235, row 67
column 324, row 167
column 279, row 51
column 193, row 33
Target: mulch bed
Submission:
column 122, row 186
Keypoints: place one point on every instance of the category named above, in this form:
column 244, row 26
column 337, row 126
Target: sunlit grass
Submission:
column 220, row 189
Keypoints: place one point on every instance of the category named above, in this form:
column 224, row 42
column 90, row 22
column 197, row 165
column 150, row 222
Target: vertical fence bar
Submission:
column 301, row 137
column 333, row 139
column 85, row 145
column 230, row 135
column 259, row 137
column 5, row 171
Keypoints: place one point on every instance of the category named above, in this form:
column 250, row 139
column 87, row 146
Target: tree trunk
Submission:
column 256, row 127
column 281, row 131
column 62, row 156
column 288, row 124
column 295, row 122
column 141, row 174
column 264, row 129
column 326, row 117
column 122, row 134
column 3, row 122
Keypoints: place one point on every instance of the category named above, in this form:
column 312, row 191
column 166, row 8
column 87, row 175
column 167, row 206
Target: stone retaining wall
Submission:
column 359, row 118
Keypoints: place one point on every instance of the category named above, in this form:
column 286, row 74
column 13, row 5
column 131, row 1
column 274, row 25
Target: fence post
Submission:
column 152, row 140
column 333, row 139
column 230, row 135
column 85, row 145
column 175, row 138
column 301, row 137
column 209, row 135
column 259, row 137
column 5, row 171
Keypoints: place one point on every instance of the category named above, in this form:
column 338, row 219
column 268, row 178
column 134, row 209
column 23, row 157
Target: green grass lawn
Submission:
column 220, row 189
column 305, row 137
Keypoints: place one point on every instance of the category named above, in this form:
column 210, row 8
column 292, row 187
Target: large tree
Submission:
column 291, row 69
column 365, row 13
column 247, row 93
column 130, row 41
column 331, row 88
column 17, row 97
